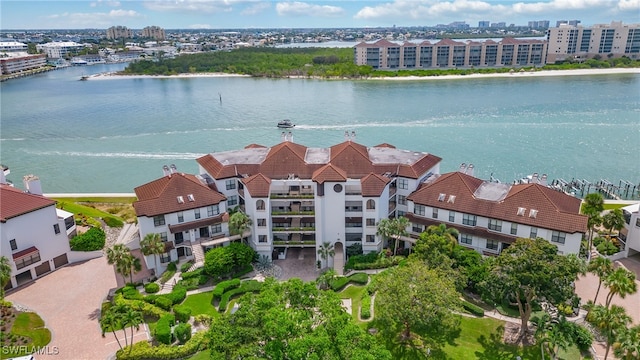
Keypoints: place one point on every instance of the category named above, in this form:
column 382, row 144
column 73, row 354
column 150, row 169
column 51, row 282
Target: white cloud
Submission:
column 298, row 8
column 97, row 19
column 200, row 26
column 256, row 8
column 195, row 6
column 629, row 5
column 105, row 3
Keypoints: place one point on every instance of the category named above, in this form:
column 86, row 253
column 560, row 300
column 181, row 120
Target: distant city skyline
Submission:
column 225, row 14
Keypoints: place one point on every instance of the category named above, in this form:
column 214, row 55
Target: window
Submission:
column 28, row 260
column 514, row 228
column 163, row 236
column 180, row 217
column 233, row 200
column 158, row 220
column 434, row 213
column 165, row 258
column 469, row 220
column 260, row 205
column 403, row 184
column 466, row 239
column 196, row 212
column 217, row 228
column 533, row 213
column 262, row 222
column 178, row 237
column 402, row 200
column 371, row 222
column 638, row 222
column 13, row 244
column 492, row 244
column 495, row 225
column 56, row 228
column 558, row 237
column 452, row 216
column 401, row 213
column 231, row 184
column 417, row 228
column 371, row 204
column 371, row 238
column 534, row 232
column 262, row 238
column 418, row 210
column 213, row 210
column 441, row 197
column 452, row 199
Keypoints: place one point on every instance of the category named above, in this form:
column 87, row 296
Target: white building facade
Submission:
column 60, row 49
column 630, row 234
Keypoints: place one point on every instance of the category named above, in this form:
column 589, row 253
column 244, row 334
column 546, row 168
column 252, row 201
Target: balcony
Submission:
column 292, row 195
column 293, row 229
column 292, row 243
column 294, row 213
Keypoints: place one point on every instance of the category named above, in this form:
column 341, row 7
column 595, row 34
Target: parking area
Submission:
column 69, row 300
column 300, row 263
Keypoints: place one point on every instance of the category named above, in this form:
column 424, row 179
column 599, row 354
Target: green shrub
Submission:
column 247, row 286
column 582, row 337
column 359, row 278
column 177, row 295
column 167, row 275
column 186, row 266
column 182, row 313
column 203, row 279
column 163, row 302
column 144, row 350
column 365, row 306
column 182, row 332
column 172, row 267
column 113, row 222
column 92, row 240
column 131, row 293
column 607, row 248
column 224, row 286
column 147, row 309
column 243, row 271
column 204, row 319
column 473, row 309
column 163, row 329
column 191, row 274
column 338, row 282
column 151, row 288
column 189, row 284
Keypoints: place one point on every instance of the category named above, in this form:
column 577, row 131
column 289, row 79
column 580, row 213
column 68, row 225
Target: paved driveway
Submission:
column 300, row 263
column 69, row 302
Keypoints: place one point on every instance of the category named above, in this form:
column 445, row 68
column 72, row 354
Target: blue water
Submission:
column 113, row 135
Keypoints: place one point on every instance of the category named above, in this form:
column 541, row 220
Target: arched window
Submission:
column 260, row 205
column 371, row 205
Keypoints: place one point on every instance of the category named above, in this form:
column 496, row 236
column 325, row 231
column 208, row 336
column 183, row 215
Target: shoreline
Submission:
column 516, row 74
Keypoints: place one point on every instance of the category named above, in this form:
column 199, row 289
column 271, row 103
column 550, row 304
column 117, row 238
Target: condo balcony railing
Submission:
column 292, row 229
column 291, row 196
column 295, row 243
column 281, row 213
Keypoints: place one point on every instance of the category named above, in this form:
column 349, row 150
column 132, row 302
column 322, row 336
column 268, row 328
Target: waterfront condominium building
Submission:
column 59, row 49
column 447, row 53
column 605, row 40
column 16, row 62
column 119, row 32
column 153, row 32
column 490, row 216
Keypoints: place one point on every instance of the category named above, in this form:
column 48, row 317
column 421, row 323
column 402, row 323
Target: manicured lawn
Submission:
column 103, row 200
column 354, row 293
column 201, row 304
column 202, row 355
column 32, row 326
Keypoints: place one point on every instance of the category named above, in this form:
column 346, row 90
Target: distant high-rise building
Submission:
column 501, row 24
column 539, row 24
column 575, row 41
column 484, row 24
column 568, row 22
column 153, row 32
column 119, row 32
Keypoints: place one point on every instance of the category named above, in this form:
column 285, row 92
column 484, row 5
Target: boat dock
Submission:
column 623, row 190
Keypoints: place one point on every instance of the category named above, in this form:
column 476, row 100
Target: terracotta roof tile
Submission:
column 15, row 202
column 254, row 146
column 25, row 252
column 386, row 145
column 373, row 184
column 353, row 157
column 329, row 173
column 161, row 196
column 447, row 42
column 257, row 185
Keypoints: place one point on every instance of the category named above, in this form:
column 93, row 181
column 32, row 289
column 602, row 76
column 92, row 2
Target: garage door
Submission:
column 60, row 260
column 43, row 268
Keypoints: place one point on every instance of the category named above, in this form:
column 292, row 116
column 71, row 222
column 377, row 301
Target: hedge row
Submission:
column 92, row 240
column 182, row 332
column 183, row 313
column 151, row 288
column 223, row 287
column 365, row 306
column 144, row 351
column 146, row 308
column 247, row 286
column 163, row 329
column 473, row 309
column 191, row 274
column 340, row 282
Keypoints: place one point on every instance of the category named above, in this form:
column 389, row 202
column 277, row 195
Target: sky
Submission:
column 237, row 14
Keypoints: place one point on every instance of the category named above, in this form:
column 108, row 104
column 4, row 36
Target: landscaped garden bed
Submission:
column 21, row 332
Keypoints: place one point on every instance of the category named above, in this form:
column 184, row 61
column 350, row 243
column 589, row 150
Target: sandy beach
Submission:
column 515, row 74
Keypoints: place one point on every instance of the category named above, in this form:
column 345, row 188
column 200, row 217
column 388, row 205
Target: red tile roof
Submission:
column 329, row 173
column 15, row 202
column 257, row 185
column 555, row 210
column 373, row 184
column 447, row 42
column 161, row 196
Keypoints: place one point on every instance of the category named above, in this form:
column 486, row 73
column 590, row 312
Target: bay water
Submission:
column 113, row 135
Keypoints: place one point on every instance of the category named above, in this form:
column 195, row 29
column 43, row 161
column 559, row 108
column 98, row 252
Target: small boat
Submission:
column 285, row 124
column 84, row 78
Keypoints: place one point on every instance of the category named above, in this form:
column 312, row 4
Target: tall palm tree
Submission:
column 592, row 206
column 133, row 319
column 613, row 220
column 326, row 250
column 239, row 222
column 610, row 322
column 393, row 229
column 116, row 255
column 130, row 265
column 542, row 323
column 600, row 267
column 152, row 245
column 5, row 274
column 627, row 346
column 109, row 321
column 621, row 282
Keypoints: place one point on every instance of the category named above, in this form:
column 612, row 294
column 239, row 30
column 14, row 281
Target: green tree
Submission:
column 415, row 296
column 528, row 272
column 621, row 282
column 239, row 223
column 132, row 318
column 152, row 245
column 325, row 279
column 218, row 262
column 601, row 267
column 610, row 322
column 118, row 255
column 613, row 220
column 325, row 251
column 393, row 229
column 592, row 206
column 109, row 322
column 442, row 230
column 627, row 345
column 242, row 254
column 5, row 274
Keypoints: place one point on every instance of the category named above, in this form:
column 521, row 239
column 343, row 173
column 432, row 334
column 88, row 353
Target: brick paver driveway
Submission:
column 69, row 300
column 300, row 263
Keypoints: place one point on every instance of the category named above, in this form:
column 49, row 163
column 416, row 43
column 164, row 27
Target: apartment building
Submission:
column 153, row 32
column 606, row 40
column 447, row 53
column 630, row 234
column 59, row 49
column 119, row 32
column 17, row 62
column 300, row 196
column 491, row 216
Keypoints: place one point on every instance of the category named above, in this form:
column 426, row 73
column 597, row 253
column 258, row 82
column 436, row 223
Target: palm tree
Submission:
column 613, row 220
column 592, row 206
column 152, row 245
column 326, row 250
column 610, row 322
column 5, row 274
column 621, row 282
column 442, row 230
column 601, row 267
column 542, row 323
column 393, row 229
column 133, row 319
column 325, row 279
column 239, row 222
column 627, row 346
column 109, row 321
column 130, row 265
column 116, row 255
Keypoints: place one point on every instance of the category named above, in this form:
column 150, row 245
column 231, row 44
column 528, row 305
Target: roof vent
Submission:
column 533, row 213
column 441, row 197
column 191, row 198
column 452, row 199
column 165, row 170
column 521, row 211
column 180, row 200
column 173, row 168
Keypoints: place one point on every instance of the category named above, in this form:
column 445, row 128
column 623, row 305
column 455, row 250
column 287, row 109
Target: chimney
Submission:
column 173, row 168
column 32, row 184
column 463, row 168
column 290, row 136
column 534, row 178
column 469, row 170
column 283, row 137
column 353, row 135
column 165, row 170
column 346, row 136
column 543, row 180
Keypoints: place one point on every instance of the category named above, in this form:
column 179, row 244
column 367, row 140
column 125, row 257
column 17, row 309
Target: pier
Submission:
column 622, row 190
